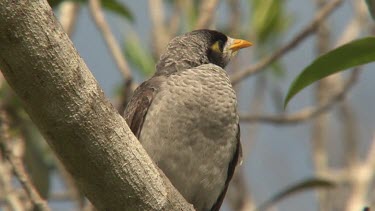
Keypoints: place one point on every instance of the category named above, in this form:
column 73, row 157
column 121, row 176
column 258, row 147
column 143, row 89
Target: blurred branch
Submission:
column 324, row 90
column 235, row 17
column 352, row 31
column 362, row 177
column 10, row 196
column 68, row 15
column 306, row 113
column 17, row 166
column 159, row 31
column 207, row 13
column 326, row 10
column 98, row 16
column 239, row 195
column 175, row 19
column 361, row 174
column 356, row 24
column 129, row 86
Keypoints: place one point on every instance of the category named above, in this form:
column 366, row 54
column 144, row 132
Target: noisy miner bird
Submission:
column 186, row 116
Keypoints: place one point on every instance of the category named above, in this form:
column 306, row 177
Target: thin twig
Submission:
column 207, row 13
column 306, row 113
column 304, row 33
column 98, row 16
column 17, row 166
column 10, row 196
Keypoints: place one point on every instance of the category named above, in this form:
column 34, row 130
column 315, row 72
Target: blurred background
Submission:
column 318, row 154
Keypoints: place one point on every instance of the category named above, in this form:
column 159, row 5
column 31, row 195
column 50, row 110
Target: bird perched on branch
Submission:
column 186, row 116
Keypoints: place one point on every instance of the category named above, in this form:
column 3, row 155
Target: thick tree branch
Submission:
column 64, row 100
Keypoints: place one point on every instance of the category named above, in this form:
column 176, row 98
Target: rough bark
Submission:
column 64, row 100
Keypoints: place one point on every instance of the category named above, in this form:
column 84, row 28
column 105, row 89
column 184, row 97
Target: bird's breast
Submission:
column 190, row 132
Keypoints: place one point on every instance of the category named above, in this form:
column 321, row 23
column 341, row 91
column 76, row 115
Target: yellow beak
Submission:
column 238, row 44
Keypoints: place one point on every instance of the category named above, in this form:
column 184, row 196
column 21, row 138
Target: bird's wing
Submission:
column 141, row 100
column 237, row 159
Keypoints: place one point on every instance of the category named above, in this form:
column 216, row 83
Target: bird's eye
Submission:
column 218, row 46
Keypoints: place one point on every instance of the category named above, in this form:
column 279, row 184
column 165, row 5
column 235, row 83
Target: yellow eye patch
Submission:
column 216, row 47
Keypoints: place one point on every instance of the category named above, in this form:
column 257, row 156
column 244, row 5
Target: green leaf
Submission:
column 353, row 54
column 268, row 19
column 371, row 7
column 293, row 189
column 137, row 56
column 118, row 8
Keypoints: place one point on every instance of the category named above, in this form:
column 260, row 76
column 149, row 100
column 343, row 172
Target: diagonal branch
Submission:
column 98, row 16
column 17, row 166
column 304, row 33
column 307, row 113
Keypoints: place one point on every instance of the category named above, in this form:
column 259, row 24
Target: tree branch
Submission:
column 64, row 100
column 306, row 113
column 17, row 166
column 207, row 13
column 98, row 16
column 304, row 33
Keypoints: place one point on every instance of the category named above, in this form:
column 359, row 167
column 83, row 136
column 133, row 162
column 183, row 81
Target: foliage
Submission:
column 138, row 56
column 353, row 54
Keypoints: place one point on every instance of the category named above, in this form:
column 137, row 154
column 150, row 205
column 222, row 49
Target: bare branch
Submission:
column 304, row 33
column 10, row 196
column 159, row 32
column 207, row 13
column 17, row 166
column 98, row 16
column 306, row 113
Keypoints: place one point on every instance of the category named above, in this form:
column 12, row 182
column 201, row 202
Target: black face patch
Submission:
column 212, row 37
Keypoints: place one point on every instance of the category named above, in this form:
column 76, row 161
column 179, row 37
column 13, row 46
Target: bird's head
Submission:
column 199, row 47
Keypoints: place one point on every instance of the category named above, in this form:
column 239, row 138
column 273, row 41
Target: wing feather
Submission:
column 237, row 157
column 136, row 110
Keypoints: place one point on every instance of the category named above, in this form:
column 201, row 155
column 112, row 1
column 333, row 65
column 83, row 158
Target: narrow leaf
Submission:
column 353, row 54
column 300, row 186
column 118, row 8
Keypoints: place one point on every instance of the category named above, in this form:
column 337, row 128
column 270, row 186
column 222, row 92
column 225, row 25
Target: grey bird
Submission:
column 186, row 116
